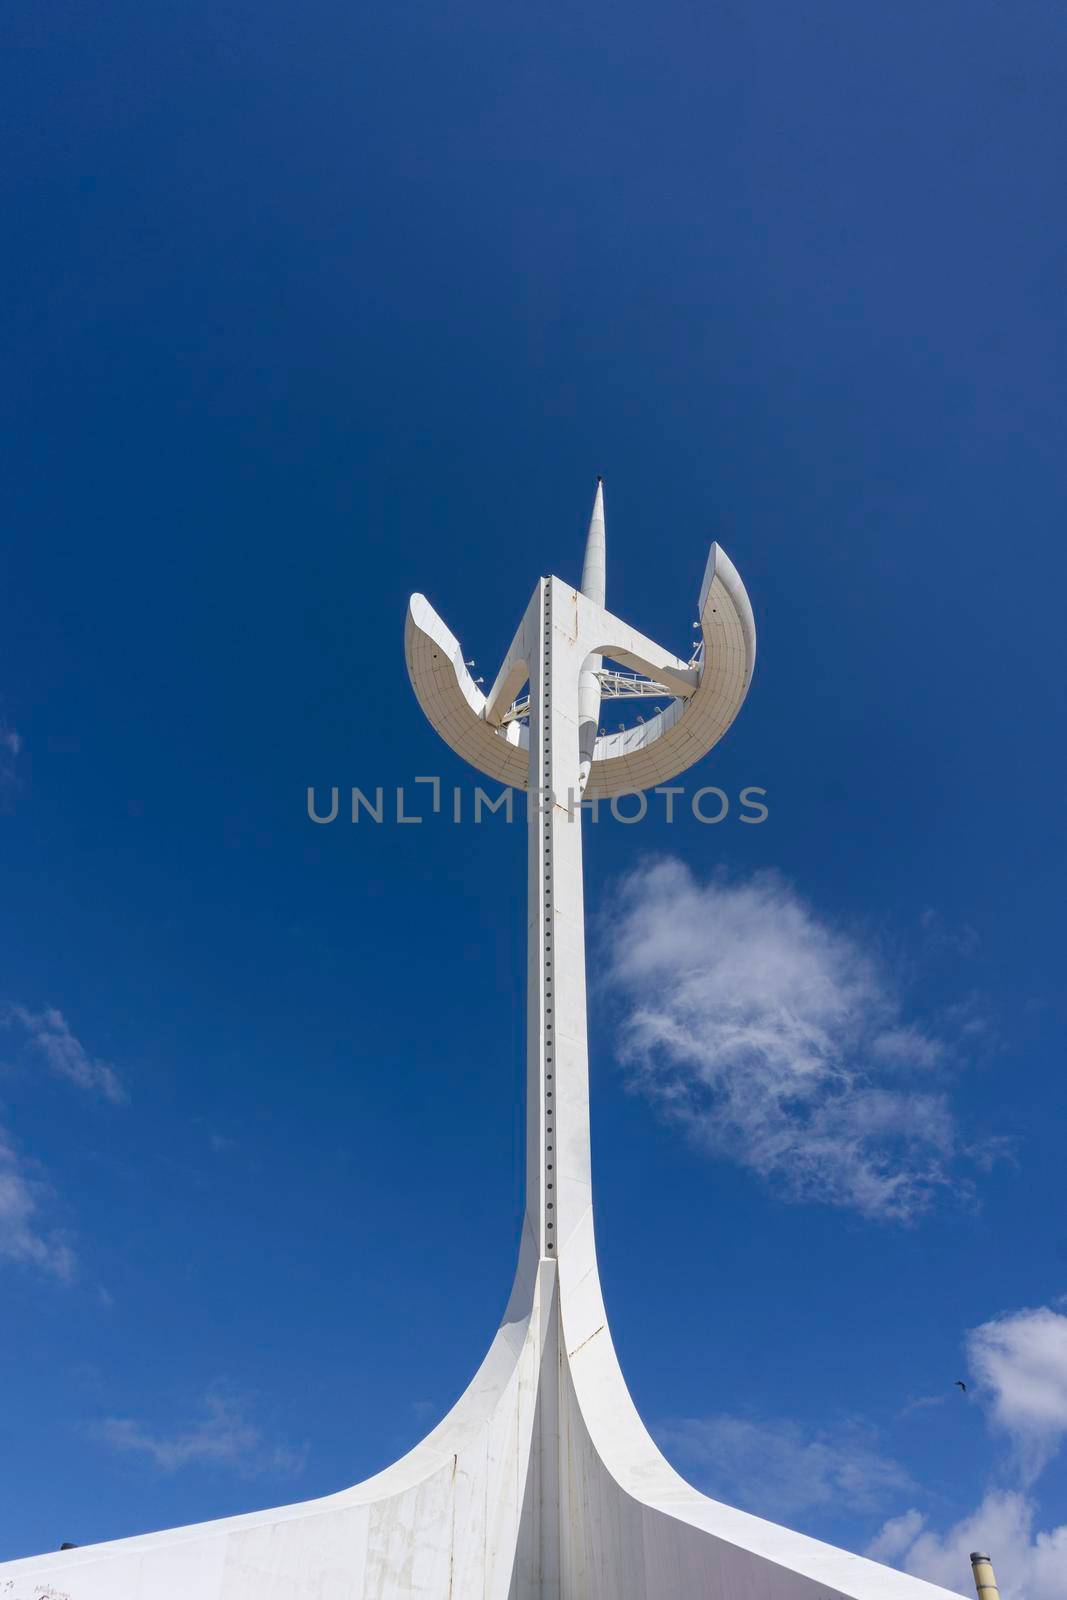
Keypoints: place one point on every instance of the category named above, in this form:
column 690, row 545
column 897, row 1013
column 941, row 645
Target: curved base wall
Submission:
column 540, row 1484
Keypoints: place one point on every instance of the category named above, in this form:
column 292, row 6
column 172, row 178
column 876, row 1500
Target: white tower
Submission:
column 541, row 1483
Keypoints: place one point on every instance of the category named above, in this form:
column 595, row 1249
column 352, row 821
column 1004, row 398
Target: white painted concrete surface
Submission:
column 542, row 1482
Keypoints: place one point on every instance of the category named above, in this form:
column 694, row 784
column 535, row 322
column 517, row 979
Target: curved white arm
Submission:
column 708, row 697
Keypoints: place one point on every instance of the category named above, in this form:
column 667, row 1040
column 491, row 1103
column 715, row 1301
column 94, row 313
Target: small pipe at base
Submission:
column 984, row 1580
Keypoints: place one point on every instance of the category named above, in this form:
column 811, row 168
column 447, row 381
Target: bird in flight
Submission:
column 961, row 1385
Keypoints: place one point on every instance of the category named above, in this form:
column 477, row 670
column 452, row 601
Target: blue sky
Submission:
column 308, row 308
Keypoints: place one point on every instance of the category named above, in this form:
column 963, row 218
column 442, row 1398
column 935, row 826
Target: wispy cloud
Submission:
column 10, row 746
column 896, row 1537
column 23, row 1236
column 959, row 939
column 779, row 1041
column 50, row 1037
column 1029, row 1565
column 222, row 1436
column 1020, row 1361
column 775, row 1469
column 23, row 1192
column 923, row 1403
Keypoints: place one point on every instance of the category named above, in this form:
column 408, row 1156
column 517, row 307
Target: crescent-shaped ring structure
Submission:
column 704, row 698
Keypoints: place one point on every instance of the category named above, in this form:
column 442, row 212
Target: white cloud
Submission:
column 1028, row 1565
column 22, row 1236
column 50, row 1036
column 907, row 1045
column 777, row 1040
column 223, row 1436
column 775, row 1470
column 1021, row 1360
column 896, row 1536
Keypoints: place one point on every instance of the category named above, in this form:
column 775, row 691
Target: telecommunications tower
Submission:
column 542, row 1482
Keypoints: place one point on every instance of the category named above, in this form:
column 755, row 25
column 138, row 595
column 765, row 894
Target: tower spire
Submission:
column 594, row 567
column 594, row 587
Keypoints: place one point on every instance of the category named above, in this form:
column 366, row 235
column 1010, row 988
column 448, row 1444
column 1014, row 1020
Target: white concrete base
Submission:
column 540, row 1484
